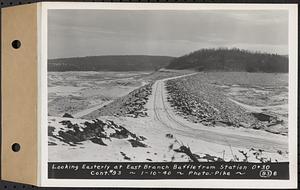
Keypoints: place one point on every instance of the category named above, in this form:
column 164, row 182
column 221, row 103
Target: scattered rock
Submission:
column 124, row 156
column 95, row 131
column 136, row 143
column 51, row 143
column 262, row 116
column 186, row 150
column 211, row 158
column 142, row 138
column 170, row 136
column 68, row 115
column 68, row 136
column 98, row 141
column 51, row 130
column 131, row 105
column 67, row 122
column 204, row 102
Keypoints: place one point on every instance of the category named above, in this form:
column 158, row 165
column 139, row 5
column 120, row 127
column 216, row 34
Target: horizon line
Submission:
column 218, row 48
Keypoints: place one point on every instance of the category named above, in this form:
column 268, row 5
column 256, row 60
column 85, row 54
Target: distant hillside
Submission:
column 109, row 63
column 231, row 60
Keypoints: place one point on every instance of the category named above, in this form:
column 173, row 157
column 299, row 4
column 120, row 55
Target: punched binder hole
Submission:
column 16, row 44
column 16, row 147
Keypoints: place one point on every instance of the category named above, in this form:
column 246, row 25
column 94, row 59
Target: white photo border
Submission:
column 194, row 183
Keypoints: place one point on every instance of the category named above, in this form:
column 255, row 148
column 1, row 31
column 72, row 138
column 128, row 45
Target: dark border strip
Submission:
column 168, row 170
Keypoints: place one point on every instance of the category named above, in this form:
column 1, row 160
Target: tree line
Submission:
column 224, row 59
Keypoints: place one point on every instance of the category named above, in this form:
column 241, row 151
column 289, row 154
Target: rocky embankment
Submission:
column 131, row 105
column 73, row 132
column 210, row 106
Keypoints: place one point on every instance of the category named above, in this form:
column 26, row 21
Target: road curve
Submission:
column 164, row 114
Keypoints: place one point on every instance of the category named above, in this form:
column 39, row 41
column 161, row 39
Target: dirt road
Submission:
column 164, row 114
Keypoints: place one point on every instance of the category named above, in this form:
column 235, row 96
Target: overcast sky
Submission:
column 75, row 33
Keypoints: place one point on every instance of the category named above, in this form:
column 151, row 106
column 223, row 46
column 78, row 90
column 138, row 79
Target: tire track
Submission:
column 165, row 116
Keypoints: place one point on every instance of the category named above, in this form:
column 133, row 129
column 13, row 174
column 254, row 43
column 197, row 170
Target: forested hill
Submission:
column 109, row 63
column 231, row 60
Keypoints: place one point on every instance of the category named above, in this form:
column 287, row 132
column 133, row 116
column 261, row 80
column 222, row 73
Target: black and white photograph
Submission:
column 168, row 86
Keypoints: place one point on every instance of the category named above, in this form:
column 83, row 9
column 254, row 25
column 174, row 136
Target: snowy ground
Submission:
column 161, row 137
